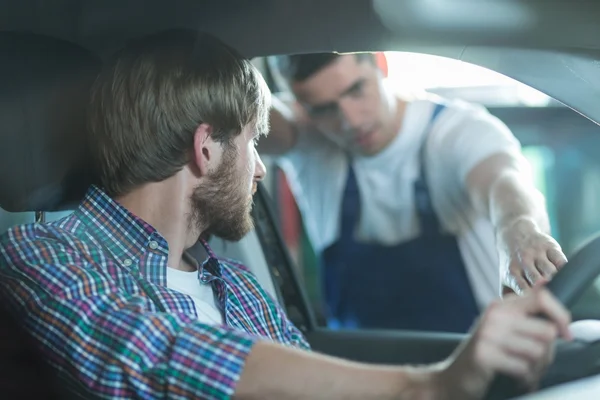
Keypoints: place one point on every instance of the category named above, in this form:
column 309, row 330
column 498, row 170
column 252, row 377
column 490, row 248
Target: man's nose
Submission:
column 260, row 171
column 350, row 114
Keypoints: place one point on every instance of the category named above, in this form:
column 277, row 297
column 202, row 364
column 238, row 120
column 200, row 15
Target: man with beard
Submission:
column 115, row 303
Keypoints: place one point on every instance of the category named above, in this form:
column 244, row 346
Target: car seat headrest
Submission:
column 44, row 93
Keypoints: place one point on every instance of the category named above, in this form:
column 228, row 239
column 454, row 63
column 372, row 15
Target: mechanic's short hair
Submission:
column 299, row 67
column 149, row 100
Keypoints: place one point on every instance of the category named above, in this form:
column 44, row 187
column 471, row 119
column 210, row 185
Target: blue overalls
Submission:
column 419, row 285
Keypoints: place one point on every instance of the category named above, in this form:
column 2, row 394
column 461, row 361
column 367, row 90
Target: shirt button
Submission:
column 127, row 262
column 153, row 245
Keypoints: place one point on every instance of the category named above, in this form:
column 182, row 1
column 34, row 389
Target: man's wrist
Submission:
column 422, row 383
column 525, row 221
column 521, row 223
column 460, row 377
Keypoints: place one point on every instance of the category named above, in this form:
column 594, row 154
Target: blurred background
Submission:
column 560, row 145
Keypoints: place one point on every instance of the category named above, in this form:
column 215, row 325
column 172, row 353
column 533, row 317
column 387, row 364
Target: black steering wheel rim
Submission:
column 568, row 285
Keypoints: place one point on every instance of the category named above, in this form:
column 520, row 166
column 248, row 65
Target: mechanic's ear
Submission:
column 382, row 64
column 207, row 152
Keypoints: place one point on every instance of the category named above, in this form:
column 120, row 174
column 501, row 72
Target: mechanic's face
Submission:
column 348, row 103
column 224, row 201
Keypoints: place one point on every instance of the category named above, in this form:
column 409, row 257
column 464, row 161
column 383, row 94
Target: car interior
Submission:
column 52, row 50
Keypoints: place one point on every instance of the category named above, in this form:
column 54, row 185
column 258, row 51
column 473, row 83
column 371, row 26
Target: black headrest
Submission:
column 44, row 91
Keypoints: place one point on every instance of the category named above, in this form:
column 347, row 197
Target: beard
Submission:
column 222, row 204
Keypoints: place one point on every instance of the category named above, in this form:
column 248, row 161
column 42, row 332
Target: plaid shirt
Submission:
column 92, row 290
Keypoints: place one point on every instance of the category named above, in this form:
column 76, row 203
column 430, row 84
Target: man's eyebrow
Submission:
column 323, row 106
column 356, row 85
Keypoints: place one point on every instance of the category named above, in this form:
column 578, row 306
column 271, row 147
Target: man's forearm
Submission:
column 276, row 372
column 513, row 199
column 502, row 189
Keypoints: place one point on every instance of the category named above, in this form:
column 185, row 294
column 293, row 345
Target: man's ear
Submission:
column 207, row 152
column 382, row 64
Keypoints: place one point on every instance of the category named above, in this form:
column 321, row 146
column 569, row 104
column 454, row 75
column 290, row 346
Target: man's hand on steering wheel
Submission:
column 509, row 339
column 528, row 255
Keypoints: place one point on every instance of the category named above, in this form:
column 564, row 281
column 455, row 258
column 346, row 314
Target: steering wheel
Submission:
column 568, row 285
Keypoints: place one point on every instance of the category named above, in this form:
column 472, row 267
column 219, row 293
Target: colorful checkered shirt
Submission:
column 92, row 291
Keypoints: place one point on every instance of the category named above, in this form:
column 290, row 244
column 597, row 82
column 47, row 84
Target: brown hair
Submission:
column 149, row 100
column 299, row 67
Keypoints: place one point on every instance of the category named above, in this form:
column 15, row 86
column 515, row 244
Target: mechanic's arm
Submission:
column 508, row 339
column 501, row 187
column 286, row 120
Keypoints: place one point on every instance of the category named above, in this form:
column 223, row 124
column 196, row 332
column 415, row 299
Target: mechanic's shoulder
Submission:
column 465, row 109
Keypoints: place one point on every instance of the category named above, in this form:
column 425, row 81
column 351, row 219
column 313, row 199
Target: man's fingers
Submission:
column 541, row 300
column 527, row 348
column 556, row 312
column 546, row 268
column 517, row 282
column 533, row 344
column 556, row 257
column 532, row 275
column 511, row 365
column 537, row 329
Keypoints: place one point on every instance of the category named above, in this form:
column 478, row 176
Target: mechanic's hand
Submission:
column 508, row 339
column 528, row 255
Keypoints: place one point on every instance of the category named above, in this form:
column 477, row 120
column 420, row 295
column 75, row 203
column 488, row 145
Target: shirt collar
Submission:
column 127, row 236
column 212, row 265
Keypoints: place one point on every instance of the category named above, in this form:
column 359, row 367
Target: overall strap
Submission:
column 430, row 224
column 350, row 211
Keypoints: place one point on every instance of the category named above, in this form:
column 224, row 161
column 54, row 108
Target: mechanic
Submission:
column 113, row 300
column 407, row 201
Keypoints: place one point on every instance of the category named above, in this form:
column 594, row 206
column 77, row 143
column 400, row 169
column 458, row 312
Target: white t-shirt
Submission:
column 462, row 136
column 202, row 294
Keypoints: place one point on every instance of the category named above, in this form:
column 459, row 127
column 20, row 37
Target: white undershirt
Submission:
column 202, row 294
column 462, row 136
